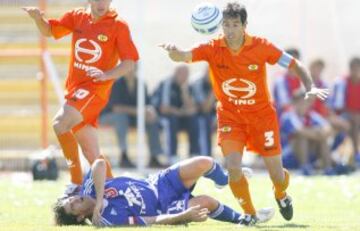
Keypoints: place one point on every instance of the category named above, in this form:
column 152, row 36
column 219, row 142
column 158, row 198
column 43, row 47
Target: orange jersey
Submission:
column 101, row 44
column 239, row 79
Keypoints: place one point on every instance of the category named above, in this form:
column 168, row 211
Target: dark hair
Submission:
column 235, row 10
column 294, row 52
column 62, row 218
column 354, row 61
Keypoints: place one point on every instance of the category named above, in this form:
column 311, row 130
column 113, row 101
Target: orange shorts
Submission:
column 88, row 103
column 258, row 131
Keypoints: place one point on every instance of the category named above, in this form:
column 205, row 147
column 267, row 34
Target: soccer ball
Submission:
column 206, row 18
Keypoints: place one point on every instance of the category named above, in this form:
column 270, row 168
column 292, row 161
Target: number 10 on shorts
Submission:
column 269, row 138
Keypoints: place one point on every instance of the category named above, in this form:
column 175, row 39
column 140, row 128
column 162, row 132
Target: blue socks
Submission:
column 226, row 214
column 218, row 175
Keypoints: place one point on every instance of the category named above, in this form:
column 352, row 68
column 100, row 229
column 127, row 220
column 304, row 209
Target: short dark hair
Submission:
column 62, row 218
column 354, row 61
column 235, row 10
column 294, row 52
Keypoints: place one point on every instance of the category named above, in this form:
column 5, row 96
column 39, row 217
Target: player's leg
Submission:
column 354, row 135
column 232, row 136
column 217, row 211
column 301, row 148
column 233, row 151
column 88, row 141
column 221, row 212
column 280, row 178
column 192, row 169
column 66, row 118
column 265, row 140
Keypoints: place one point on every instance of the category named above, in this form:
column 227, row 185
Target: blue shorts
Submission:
column 173, row 195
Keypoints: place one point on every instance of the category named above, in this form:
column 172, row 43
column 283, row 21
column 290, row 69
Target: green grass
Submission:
column 320, row 203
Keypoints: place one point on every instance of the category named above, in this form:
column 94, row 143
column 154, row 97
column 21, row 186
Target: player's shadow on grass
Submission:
column 284, row 226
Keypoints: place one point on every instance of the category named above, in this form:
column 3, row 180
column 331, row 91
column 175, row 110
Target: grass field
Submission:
column 320, row 203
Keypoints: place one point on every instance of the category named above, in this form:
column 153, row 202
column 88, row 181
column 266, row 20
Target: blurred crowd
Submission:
column 317, row 136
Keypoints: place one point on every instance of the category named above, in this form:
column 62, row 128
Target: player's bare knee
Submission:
column 101, row 162
column 90, row 156
column 58, row 126
column 202, row 163
column 205, row 163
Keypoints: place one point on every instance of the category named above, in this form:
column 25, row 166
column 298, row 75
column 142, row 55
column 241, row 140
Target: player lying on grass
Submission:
column 163, row 198
column 245, row 114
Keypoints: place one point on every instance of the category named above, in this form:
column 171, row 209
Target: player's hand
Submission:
column 96, row 218
column 320, row 93
column 168, row 47
column 34, row 12
column 196, row 214
column 96, row 74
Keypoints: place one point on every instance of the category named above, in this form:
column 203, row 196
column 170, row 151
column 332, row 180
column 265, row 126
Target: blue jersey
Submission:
column 127, row 200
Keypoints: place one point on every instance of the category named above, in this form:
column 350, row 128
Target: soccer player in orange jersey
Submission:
column 100, row 39
column 246, row 117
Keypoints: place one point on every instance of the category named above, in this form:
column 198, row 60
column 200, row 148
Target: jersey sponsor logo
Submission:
column 96, row 52
column 253, row 67
column 133, row 197
column 102, row 38
column 230, row 90
column 111, row 192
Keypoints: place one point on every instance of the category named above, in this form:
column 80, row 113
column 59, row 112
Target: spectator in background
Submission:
column 205, row 101
column 178, row 111
column 340, row 125
column 286, row 85
column 304, row 134
column 346, row 100
column 121, row 113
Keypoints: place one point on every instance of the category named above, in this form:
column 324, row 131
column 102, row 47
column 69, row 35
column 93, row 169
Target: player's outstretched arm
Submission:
column 176, row 54
column 192, row 214
column 38, row 17
column 311, row 90
column 98, row 171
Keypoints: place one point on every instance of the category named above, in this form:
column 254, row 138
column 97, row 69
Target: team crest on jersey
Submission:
column 253, row 67
column 102, row 38
column 225, row 129
column 111, row 192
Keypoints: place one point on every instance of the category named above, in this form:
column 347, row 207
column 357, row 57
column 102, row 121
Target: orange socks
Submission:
column 70, row 149
column 108, row 167
column 280, row 188
column 241, row 192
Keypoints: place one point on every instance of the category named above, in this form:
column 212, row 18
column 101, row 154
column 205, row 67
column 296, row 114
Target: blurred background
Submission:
column 319, row 29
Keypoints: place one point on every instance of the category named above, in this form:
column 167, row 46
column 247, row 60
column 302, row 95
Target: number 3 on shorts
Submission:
column 81, row 93
column 269, row 138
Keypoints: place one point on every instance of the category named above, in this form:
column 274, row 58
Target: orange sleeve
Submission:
column 125, row 45
column 201, row 52
column 63, row 26
column 272, row 53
